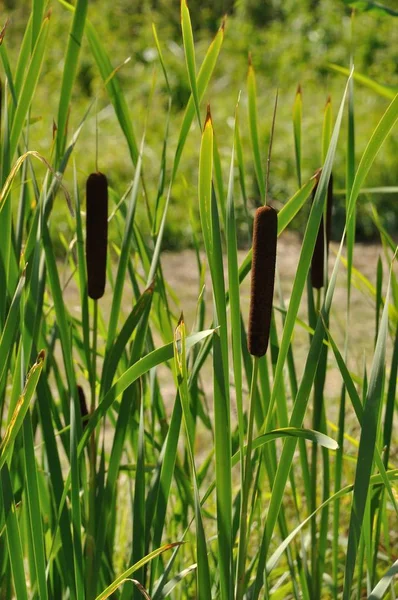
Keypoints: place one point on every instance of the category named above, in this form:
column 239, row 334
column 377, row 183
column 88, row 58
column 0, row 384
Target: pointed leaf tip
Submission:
column 223, row 23
column 299, row 91
column 249, row 59
column 328, row 101
column 208, row 116
column 317, row 175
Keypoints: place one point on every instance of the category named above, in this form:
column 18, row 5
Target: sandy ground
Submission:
column 181, row 273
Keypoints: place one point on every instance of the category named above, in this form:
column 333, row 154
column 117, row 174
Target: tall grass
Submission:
column 109, row 486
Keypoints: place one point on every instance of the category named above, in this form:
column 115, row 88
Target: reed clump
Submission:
column 96, row 233
column 265, row 231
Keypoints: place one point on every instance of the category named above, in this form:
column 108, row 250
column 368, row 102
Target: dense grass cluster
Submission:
column 247, row 480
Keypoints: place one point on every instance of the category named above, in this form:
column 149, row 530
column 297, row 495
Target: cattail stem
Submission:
column 97, row 233
column 241, row 571
column 265, row 231
column 91, row 577
column 318, row 257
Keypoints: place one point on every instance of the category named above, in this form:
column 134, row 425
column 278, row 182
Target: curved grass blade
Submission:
column 383, row 90
column 375, row 480
column 21, row 409
column 124, row 576
column 379, row 136
column 112, row 359
column 381, row 588
column 160, row 54
column 137, row 370
column 372, row 7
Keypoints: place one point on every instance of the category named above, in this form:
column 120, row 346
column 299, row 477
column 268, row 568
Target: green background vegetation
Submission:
column 291, row 42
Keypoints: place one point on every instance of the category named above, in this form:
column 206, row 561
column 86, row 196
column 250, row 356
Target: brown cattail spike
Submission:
column 97, row 233
column 318, row 258
column 265, row 231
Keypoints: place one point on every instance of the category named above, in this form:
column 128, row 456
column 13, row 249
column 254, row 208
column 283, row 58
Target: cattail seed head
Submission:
column 318, row 257
column 265, row 231
column 97, row 233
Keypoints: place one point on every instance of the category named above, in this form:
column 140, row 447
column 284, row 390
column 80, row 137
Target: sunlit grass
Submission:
column 199, row 471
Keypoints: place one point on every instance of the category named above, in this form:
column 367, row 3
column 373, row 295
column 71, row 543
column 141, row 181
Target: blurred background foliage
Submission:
column 291, row 42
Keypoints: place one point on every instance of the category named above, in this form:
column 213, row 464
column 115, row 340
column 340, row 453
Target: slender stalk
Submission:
column 240, row 571
column 91, row 577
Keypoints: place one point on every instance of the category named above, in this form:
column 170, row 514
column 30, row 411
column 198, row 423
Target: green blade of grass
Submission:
column 253, row 126
column 35, row 517
column 203, row 571
column 10, row 329
column 161, row 59
column 305, row 257
column 20, row 410
column 373, row 7
column 137, row 370
column 379, row 136
column 138, row 550
column 82, row 273
column 13, row 536
column 234, row 298
column 126, row 574
column 27, row 47
column 204, row 75
column 69, row 72
column 383, row 90
column 375, row 480
column 297, row 120
column 189, row 49
column 37, row 17
column 160, row 490
column 366, row 451
column 29, row 86
column 112, row 359
column 211, row 236
column 385, row 582
column 111, row 83
column 124, row 254
column 296, row 419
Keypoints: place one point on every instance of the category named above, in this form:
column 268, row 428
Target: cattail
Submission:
column 97, row 233
column 83, row 404
column 265, row 231
column 318, row 257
